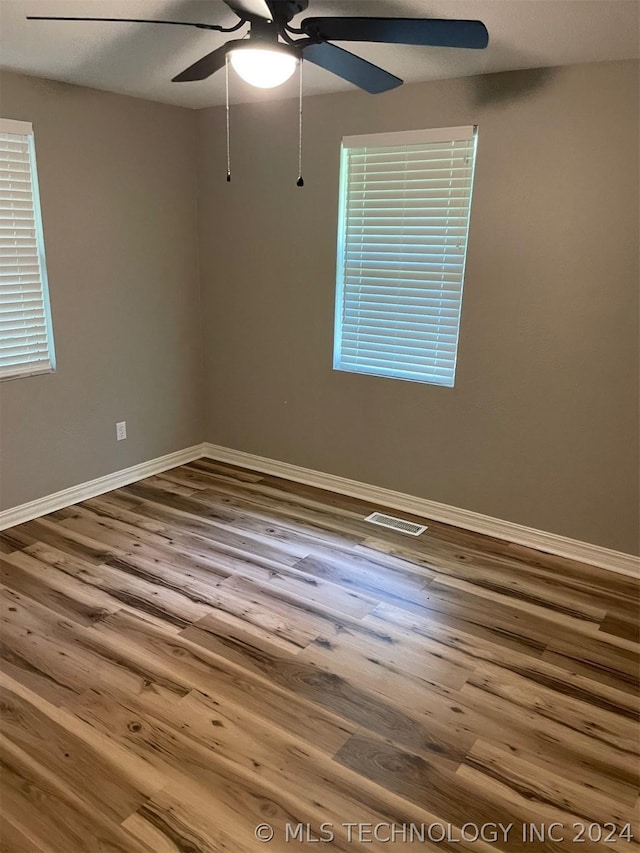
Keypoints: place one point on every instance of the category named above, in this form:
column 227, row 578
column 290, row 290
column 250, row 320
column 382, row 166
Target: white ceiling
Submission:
column 141, row 59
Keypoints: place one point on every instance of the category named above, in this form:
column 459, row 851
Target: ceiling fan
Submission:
column 271, row 52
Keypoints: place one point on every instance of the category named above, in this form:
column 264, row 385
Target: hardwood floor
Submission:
column 210, row 650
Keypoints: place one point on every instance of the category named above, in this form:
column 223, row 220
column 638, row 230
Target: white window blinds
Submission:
column 26, row 341
column 405, row 201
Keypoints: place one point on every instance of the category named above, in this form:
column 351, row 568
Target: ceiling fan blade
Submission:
column 250, row 9
column 138, row 21
column 204, row 67
column 350, row 67
column 435, row 32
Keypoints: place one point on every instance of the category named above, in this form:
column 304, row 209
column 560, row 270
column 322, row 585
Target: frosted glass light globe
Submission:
column 263, row 67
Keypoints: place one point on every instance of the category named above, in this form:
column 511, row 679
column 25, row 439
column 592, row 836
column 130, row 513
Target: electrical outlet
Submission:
column 121, row 430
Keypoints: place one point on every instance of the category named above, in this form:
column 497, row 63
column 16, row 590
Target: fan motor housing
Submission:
column 285, row 10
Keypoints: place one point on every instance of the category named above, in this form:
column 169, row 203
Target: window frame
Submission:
column 383, row 140
column 24, row 128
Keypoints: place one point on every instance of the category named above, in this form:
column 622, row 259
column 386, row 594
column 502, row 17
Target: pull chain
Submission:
column 300, row 181
column 226, row 80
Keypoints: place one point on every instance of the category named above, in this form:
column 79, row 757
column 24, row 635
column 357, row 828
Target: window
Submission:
column 405, row 200
column 26, row 339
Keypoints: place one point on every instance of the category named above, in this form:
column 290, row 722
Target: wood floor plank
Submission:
column 553, row 581
column 239, row 796
column 6, row 546
column 245, row 605
column 214, row 524
column 554, row 797
column 124, row 583
column 50, row 816
column 145, row 577
column 495, row 624
column 417, row 780
column 472, row 653
column 207, row 553
column 598, row 659
column 69, row 541
column 239, row 736
column 13, row 839
column 568, row 614
column 399, row 673
column 54, row 590
column 319, row 531
column 460, row 631
column 60, row 659
column 625, row 626
column 68, row 753
column 387, row 585
column 560, row 705
column 232, row 473
column 213, row 648
column 414, row 727
column 168, row 825
column 553, row 746
column 294, row 764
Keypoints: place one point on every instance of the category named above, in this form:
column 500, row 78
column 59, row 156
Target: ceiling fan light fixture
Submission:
column 264, row 67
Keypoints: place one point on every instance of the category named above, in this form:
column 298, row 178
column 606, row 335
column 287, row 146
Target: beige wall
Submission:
column 117, row 181
column 542, row 425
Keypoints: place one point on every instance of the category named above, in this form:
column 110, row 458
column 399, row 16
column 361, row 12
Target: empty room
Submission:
column 319, row 426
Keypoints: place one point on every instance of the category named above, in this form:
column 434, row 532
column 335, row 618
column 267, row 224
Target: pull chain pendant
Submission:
column 300, row 181
column 226, row 81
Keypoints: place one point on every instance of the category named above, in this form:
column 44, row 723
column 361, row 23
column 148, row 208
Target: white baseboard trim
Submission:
column 550, row 543
column 83, row 491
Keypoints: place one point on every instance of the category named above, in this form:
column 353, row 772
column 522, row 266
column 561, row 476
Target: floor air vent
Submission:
column 396, row 523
